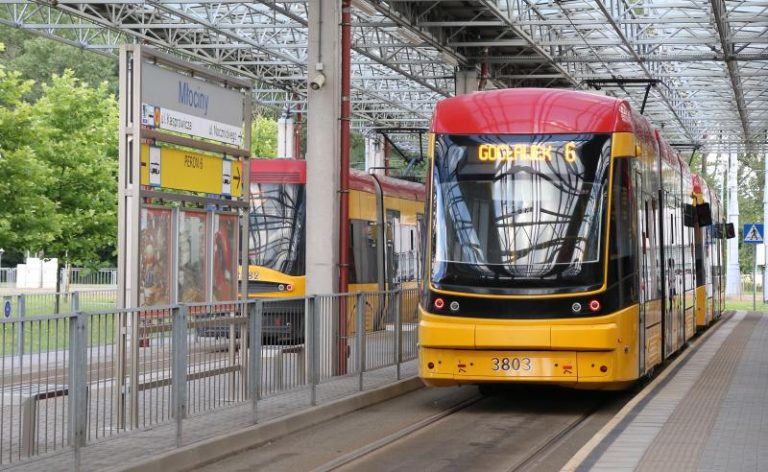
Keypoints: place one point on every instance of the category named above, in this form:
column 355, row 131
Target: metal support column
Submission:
column 733, row 275
column 179, row 366
column 360, row 338
column 765, row 219
column 398, row 330
column 78, row 406
column 255, row 311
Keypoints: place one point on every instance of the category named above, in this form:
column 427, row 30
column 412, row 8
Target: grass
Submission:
column 49, row 335
column 745, row 303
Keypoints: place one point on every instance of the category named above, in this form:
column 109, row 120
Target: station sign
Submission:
column 172, row 120
column 171, row 90
column 177, row 102
column 191, row 171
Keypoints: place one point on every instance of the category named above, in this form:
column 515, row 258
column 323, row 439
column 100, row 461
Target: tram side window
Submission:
column 623, row 249
column 363, row 264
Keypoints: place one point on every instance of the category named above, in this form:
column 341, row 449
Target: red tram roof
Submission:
column 392, row 187
column 294, row 171
column 532, row 111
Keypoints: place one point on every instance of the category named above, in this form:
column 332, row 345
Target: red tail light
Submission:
column 594, row 305
column 439, row 303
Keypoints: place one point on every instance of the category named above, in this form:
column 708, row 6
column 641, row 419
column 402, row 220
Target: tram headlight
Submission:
column 454, row 306
column 576, row 307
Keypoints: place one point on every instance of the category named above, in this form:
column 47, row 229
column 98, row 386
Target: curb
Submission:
column 211, row 450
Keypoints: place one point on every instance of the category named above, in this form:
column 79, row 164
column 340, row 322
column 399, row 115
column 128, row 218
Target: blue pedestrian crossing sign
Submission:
column 753, row 234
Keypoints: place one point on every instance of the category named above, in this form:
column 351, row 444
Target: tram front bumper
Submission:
column 439, row 367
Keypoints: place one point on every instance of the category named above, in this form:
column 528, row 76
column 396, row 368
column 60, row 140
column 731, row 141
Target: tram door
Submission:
column 671, row 258
column 643, row 280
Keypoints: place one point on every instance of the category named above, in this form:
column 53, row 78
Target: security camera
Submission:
column 317, row 81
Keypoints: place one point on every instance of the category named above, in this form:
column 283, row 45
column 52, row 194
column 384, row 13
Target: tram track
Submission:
column 560, row 438
column 394, row 437
column 424, row 434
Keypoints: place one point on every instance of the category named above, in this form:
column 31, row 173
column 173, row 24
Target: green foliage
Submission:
column 25, row 212
column 76, row 136
column 356, row 151
column 751, row 184
column 39, row 59
column 263, row 137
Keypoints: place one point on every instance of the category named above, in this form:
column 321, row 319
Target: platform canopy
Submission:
column 704, row 64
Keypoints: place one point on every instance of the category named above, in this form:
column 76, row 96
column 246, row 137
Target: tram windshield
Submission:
column 277, row 227
column 519, row 214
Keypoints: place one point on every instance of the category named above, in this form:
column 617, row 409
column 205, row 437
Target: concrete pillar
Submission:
column 323, row 145
column 285, row 135
column 466, row 81
column 374, row 154
column 733, row 275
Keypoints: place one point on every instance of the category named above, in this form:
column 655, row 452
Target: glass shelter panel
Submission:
column 225, row 257
column 155, row 262
column 192, row 257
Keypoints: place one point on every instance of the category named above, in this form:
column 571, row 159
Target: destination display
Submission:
column 495, row 152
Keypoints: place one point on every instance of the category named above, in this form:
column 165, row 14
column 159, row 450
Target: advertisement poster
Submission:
column 155, row 262
column 225, row 257
column 192, row 260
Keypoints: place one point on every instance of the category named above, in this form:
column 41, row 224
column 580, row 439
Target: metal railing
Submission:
column 34, row 304
column 77, row 377
column 80, row 276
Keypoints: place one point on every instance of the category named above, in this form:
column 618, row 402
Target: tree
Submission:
column 39, row 59
column 263, row 137
column 75, row 129
column 27, row 219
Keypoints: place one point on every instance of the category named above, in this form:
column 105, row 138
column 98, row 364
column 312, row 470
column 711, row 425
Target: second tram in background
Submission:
column 381, row 209
column 568, row 243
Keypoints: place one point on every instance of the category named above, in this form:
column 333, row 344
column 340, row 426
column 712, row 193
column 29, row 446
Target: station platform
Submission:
column 218, row 433
column 707, row 411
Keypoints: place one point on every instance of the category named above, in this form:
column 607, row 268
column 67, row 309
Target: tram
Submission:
column 386, row 220
column 562, row 243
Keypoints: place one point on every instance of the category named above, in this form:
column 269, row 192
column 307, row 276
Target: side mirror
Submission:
column 717, row 231
column 730, row 232
column 704, row 214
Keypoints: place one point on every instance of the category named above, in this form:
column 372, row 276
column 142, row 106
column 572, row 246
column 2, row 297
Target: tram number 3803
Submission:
column 511, row 363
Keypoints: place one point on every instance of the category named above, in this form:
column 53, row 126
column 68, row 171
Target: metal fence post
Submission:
column 74, row 302
column 360, row 338
column 78, row 382
column 398, row 330
column 179, row 366
column 255, row 310
column 21, row 308
column 314, row 347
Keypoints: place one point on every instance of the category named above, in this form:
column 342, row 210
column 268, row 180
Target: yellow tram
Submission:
column 563, row 245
